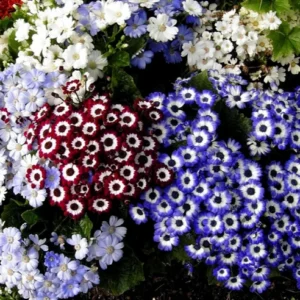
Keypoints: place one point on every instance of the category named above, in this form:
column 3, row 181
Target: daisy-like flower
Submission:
column 80, row 245
column 36, row 175
column 115, row 187
column 117, row 12
column 192, row 7
column 65, row 268
column 74, row 208
column 48, row 147
column 166, row 241
column 161, row 28
column 235, row 283
column 99, row 204
column 75, row 56
column 162, row 175
column 110, row 250
column 110, row 142
column 178, row 224
column 138, row 214
column 199, row 250
column 236, row 96
column 10, row 239
column 113, row 228
column 199, row 139
column 70, row 173
column 17, row 147
column 260, row 286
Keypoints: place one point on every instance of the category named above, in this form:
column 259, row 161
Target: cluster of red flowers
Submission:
column 7, row 7
column 102, row 150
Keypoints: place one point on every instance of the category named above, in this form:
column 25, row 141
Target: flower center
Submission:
column 110, row 250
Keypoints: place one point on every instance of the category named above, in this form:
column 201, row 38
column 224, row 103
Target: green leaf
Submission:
column 11, row 214
column 86, row 226
column 20, row 203
column 135, row 45
column 13, row 45
column 285, row 41
column 119, row 59
column 295, row 4
column 201, row 82
column 124, row 275
column 211, row 279
column 123, row 85
column 30, row 217
column 262, row 6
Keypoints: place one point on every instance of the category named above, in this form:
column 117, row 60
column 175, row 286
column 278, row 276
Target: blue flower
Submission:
column 172, row 54
column 51, row 259
column 52, row 178
column 142, row 59
column 186, row 180
column 136, row 24
column 185, row 34
column 138, row 214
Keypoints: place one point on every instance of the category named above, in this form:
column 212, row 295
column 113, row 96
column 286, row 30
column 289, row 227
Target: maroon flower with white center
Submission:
column 141, row 105
column 63, row 152
column 97, row 110
column 62, row 129
column 30, row 136
column 4, row 115
column 48, row 147
column 81, row 190
column 133, row 140
column 71, row 173
column 129, row 172
column 45, row 130
column 101, row 175
column 36, row 175
column 111, row 118
column 162, row 175
column 131, row 190
column 128, row 120
column 89, row 128
column 62, row 110
column 154, row 115
column 99, row 205
column 90, row 161
column 124, row 155
column 78, row 143
column 118, row 107
column 43, row 113
column 142, row 184
column 93, row 147
column 115, row 187
column 143, row 160
column 150, row 143
column 76, row 119
column 110, row 141
column 58, row 195
column 71, row 87
column 74, row 208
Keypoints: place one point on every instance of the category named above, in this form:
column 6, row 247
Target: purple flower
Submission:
column 136, row 25
column 142, row 59
column 52, row 178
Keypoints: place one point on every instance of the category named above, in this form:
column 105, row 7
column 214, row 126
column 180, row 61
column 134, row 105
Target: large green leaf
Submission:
column 295, row 4
column 11, row 214
column 86, row 226
column 123, row 85
column 285, row 41
column 119, row 59
column 135, row 45
column 201, row 82
column 124, row 275
column 262, row 6
column 30, row 217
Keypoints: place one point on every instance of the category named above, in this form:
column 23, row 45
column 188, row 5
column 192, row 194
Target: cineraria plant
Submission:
column 241, row 213
column 59, row 267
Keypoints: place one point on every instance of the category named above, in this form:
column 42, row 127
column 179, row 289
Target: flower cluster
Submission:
column 243, row 215
column 23, row 92
column 63, row 277
column 95, row 153
column 237, row 39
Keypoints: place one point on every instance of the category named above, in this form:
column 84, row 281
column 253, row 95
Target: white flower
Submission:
column 239, row 36
column 34, row 196
column 270, row 21
column 162, row 28
column 294, row 67
column 80, row 245
column 75, row 56
column 22, row 30
column 96, row 63
column 38, row 244
column 193, row 52
column 40, row 40
column 117, row 12
column 62, row 29
column 17, row 147
column 3, row 191
column 192, row 7
column 144, row 3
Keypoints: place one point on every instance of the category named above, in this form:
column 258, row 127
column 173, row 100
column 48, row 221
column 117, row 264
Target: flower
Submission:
column 110, row 250
column 80, row 245
column 113, row 228
column 161, row 28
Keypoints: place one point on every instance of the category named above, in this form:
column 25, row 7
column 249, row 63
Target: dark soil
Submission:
column 178, row 285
